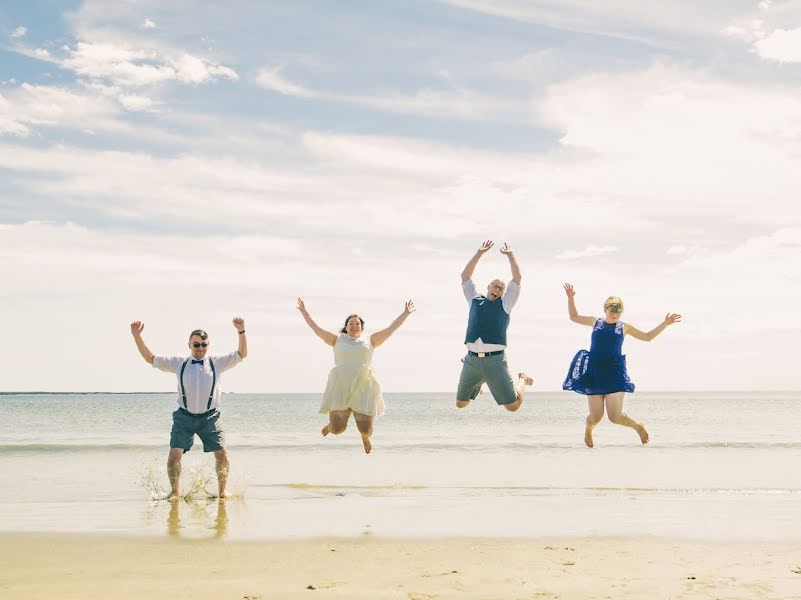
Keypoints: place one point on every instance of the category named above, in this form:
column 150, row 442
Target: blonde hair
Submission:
column 615, row 304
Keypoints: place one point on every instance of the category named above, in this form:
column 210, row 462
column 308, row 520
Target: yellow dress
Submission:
column 351, row 383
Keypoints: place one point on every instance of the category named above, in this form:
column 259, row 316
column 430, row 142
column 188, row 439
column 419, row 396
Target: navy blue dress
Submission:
column 602, row 370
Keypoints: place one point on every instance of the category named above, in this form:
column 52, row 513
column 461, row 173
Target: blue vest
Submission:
column 488, row 321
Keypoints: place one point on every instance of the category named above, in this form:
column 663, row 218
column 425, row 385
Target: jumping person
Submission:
column 352, row 386
column 600, row 373
column 486, row 337
column 198, row 400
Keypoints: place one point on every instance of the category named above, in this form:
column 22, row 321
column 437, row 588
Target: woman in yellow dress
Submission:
column 352, row 386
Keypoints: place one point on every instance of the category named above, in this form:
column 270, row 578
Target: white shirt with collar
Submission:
column 509, row 299
column 198, row 378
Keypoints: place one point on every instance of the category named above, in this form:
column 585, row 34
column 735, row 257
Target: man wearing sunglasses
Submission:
column 198, row 400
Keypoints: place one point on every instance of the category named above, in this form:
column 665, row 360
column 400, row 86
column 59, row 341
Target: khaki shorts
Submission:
column 491, row 369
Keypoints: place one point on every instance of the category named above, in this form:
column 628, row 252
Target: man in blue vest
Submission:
column 486, row 337
column 198, row 411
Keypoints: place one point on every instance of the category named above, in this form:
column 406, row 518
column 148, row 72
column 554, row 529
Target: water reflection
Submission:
column 186, row 519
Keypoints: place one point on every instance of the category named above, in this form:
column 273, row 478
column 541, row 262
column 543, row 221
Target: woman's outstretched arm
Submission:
column 379, row 337
column 571, row 308
column 327, row 336
column 631, row 330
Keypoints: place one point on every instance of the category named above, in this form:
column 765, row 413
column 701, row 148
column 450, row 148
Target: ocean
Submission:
column 719, row 466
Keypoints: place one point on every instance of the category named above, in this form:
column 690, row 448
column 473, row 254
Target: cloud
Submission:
column 271, row 79
column 148, row 24
column 191, row 69
column 135, row 103
column 19, row 32
column 590, row 251
column 124, row 66
column 10, row 123
column 680, row 138
column 648, row 23
column 781, row 45
column 50, row 106
column 743, row 280
column 41, row 53
column 450, row 103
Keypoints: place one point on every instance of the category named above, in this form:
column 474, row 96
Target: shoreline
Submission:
column 65, row 565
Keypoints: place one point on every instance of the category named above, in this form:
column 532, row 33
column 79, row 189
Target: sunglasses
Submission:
column 199, row 345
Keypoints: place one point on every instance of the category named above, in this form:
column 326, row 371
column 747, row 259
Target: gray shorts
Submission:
column 491, row 369
column 207, row 427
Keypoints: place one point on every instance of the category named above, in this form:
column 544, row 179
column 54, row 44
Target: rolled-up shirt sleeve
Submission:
column 224, row 362
column 469, row 289
column 511, row 296
column 168, row 364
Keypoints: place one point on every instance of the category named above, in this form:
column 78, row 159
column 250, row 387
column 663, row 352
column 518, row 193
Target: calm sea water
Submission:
column 719, row 466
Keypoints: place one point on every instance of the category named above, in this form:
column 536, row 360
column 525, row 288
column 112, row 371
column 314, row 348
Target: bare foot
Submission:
column 526, row 379
column 638, row 427
column 224, row 494
column 367, row 445
column 326, row 429
column 588, row 436
column 174, row 496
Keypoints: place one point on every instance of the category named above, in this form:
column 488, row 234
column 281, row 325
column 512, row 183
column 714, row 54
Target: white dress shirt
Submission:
column 198, row 378
column 509, row 299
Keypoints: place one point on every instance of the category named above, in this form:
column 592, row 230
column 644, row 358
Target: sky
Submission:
column 184, row 163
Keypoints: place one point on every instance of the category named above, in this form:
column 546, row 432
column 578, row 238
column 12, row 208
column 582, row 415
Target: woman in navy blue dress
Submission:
column 600, row 373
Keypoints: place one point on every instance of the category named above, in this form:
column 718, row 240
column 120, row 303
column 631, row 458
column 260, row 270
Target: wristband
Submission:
column 241, row 332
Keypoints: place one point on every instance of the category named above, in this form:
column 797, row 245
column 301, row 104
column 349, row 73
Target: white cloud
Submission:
column 49, row 106
column 451, row 103
column 148, row 24
column 781, row 45
column 122, row 65
column 19, row 32
column 135, row 103
column 10, row 124
column 588, row 252
column 272, row 79
column 681, row 139
column 640, row 21
column 744, row 281
column 191, row 69
column 41, row 53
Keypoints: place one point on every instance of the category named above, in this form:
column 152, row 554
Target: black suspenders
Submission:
column 213, row 383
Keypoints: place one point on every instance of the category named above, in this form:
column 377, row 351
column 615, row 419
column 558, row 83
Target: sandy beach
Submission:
column 98, row 566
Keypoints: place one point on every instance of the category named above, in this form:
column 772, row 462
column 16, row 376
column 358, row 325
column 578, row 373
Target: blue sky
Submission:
column 181, row 163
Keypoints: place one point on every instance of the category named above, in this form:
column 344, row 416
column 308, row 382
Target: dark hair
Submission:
column 199, row 332
column 345, row 328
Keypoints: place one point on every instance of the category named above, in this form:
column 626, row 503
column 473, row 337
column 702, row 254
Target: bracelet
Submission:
column 241, row 332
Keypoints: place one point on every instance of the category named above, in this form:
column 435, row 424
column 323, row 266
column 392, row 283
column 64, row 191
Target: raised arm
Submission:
column 239, row 323
column 136, row 331
column 327, row 336
column 670, row 318
column 379, row 337
column 507, row 250
column 571, row 308
column 467, row 273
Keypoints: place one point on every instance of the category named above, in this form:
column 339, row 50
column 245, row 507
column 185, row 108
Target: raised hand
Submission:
column 671, row 318
column 137, row 327
column 569, row 290
column 301, row 307
column 486, row 246
column 409, row 309
column 506, row 249
column 239, row 323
